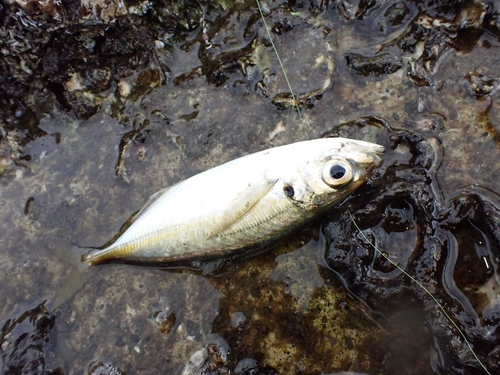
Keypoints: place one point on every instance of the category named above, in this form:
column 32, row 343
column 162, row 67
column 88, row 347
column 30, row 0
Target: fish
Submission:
column 248, row 201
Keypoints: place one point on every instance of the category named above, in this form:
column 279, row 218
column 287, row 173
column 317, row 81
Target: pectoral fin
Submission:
column 241, row 206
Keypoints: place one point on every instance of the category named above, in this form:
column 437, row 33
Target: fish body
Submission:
column 244, row 202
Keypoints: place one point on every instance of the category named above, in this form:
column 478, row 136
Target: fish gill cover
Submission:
column 103, row 103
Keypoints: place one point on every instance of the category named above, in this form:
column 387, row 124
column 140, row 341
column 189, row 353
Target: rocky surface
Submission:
column 103, row 103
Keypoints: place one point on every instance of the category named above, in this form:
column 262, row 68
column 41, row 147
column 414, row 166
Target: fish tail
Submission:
column 94, row 257
column 81, row 273
column 90, row 255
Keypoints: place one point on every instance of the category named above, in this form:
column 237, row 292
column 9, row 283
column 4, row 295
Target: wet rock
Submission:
column 238, row 319
column 102, row 106
column 209, row 360
column 480, row 85
column 164, row 321
column 245, row 366
column 99, row 368
column 451, row 251
column 352, row 9
column 373, row 65
column 396, row 13
column 250, row 366
column 23, row 341
column 181, row 16
column 310, row 75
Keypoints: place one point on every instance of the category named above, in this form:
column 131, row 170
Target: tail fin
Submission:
column 89, row 256
column 81, row 273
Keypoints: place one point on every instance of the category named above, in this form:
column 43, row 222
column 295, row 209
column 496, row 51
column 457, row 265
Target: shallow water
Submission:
column 114, row 111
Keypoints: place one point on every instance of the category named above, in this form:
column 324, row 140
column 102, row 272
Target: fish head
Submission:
column 333, row 169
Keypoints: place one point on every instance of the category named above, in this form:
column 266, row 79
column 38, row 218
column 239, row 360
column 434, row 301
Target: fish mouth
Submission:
column 366, row 153
column 378, row 150
column 369, row 147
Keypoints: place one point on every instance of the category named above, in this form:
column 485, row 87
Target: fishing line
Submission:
column 423, row 288
column 279, row 59
column 356, row 225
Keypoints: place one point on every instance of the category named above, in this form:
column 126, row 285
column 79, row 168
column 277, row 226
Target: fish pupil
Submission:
column 288, row 190
column 337, row 172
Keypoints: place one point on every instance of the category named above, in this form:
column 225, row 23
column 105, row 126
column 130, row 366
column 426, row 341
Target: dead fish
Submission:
column 242, row 203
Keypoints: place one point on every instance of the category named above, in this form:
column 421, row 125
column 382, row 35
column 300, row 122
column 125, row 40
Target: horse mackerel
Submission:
column 244, row 202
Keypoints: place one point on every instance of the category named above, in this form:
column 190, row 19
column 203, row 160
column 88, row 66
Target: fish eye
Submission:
column 336, row 172
column 288, row 190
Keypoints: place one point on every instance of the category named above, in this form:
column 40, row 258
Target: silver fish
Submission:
column 242, row 203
